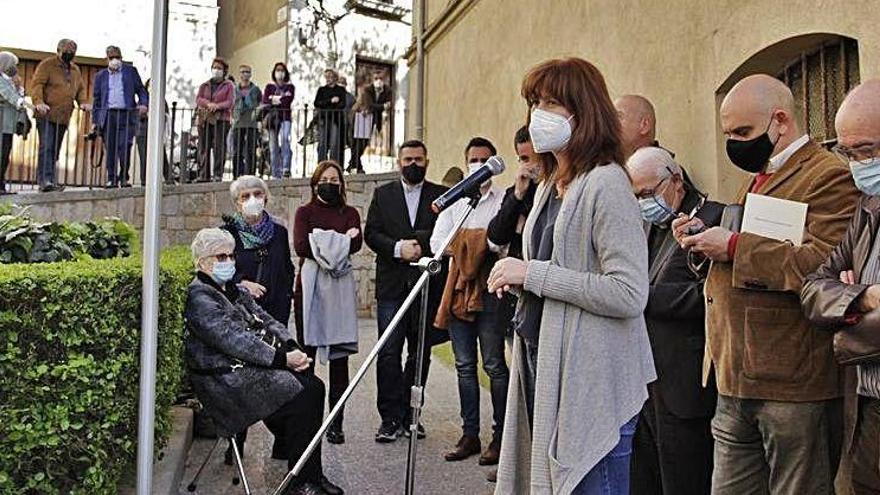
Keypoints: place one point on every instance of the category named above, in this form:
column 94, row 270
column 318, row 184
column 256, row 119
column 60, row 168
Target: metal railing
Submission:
column 200, row 146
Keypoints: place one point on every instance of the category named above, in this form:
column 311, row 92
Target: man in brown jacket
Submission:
column 778, row 384
column 56, row 84
column 846, row 286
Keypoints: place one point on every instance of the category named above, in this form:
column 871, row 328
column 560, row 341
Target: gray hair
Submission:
column 8, row 60
column 247, row 182
column 655, row 159
column 209, row 242
column 113, row 49
column 62, row 44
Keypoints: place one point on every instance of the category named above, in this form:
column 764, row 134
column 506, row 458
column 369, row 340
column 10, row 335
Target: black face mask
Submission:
column 67, row 57
column 413, row 174
column 330, row 193
column 752, row 155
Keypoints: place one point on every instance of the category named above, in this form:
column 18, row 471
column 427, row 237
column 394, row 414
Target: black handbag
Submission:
column 859, row 343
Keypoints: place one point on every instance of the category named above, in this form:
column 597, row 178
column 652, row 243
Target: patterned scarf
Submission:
column 254, row 236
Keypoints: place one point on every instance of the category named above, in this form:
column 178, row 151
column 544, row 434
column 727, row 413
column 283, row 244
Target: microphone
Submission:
column 493, row 166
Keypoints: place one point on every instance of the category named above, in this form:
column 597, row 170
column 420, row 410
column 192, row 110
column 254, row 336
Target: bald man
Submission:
column 672, row 447
column 778, row 383
column 847, row 285
column 638, row 124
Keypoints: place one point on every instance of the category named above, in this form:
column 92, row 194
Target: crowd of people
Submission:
column 657, row 345
column 230, row 117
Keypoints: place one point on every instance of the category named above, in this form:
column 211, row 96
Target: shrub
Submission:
column 69, row 360
column 23, row 240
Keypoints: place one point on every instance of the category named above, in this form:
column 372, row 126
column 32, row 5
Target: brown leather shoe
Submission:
column 493, row 451
column 466, row 447
column 492, row 477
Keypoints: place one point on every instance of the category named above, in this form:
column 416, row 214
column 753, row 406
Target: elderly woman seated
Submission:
column 246, row 367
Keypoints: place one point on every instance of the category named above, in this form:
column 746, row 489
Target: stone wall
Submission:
column 188, row 208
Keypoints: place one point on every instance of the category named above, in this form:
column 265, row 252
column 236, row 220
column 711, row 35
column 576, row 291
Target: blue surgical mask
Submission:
column 867, row 176
column 223, row 271
column 655, row 210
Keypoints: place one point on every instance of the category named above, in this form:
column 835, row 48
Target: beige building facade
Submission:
column 681, row 54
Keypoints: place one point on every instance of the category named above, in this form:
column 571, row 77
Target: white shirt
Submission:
column 779, row 160
column 485, row 211
column 412, row 195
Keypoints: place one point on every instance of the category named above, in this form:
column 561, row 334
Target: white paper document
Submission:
column 775, row 218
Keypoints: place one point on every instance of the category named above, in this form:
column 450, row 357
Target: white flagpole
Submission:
column 152, row 210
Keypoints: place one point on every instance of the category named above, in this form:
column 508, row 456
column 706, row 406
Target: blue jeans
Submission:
column 51, row 137
column 464, row 337
column 279, row 149
column 611, row 475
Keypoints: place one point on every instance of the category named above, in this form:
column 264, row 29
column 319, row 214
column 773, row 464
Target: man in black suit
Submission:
column 380, row 100
column 398, row 230
column 672, row 447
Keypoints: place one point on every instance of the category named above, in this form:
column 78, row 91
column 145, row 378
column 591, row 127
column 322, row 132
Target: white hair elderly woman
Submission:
column 12, row 108
column 245, row 366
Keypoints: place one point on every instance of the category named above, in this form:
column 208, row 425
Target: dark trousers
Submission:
column 779, row 448
column 338, row 367
column 465, row 335
column 294, row 425
column 671, row 455
column 51, row 137
column 5, row 152
column 141, row 142
column 393, row 383
column 866, row 448
column 118, row 134
column 212, row 140
column 357, row 151
column 244, row 141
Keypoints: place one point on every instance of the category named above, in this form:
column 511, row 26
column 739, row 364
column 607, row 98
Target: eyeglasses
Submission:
column 862, row 154
column 223, row 257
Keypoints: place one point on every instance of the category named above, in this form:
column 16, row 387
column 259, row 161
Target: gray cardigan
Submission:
column 594, row 357
column 10, row 106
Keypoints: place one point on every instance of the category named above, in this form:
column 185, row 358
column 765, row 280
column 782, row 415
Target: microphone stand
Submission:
column 429, row 268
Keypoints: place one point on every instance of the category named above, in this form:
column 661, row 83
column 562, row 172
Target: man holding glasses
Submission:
column 672, row 447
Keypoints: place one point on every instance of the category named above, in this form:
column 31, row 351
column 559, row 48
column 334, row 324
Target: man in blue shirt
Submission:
column 115, row 114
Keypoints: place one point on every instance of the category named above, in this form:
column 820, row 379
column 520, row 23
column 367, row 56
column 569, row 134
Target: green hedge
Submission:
column 69, row 360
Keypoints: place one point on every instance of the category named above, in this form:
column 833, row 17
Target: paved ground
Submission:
column 361, row 466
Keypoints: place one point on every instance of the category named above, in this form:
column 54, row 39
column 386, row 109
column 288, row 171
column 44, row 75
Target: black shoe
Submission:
column 329, row 488
column 361, row 171
column 110, row 185
column 305, row 489
column 420, row 431
column 335, row 436
column 125, row 184
column 388, row 432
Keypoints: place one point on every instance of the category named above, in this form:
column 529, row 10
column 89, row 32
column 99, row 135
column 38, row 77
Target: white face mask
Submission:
column 114, row 64
column 550, row 132
column 279, row 75
column 378, row 84
column 253, row 207
column 217, row 73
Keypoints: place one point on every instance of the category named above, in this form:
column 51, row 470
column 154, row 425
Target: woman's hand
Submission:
column 254, row 289
column 506, row 273
column 298, row 361
column 353, row 232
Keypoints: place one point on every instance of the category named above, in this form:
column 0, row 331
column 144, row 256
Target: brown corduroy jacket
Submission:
column 466, row 282
column 758, row 340
column 58, row 87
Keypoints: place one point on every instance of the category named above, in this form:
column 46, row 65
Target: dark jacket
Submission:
column 758, row 340
column 675, row 317
column 286, row 91
column 220, row 333
column 827, row 301
column 276, row 275
column 132, row 88
column 387, row 223
column 377, row 104
column 326, row 107
column 244, row 107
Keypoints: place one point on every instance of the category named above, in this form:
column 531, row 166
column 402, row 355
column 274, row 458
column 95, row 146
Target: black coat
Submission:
column 675, row 317
column 387, row 223
column 276, row 275
column 220, row 333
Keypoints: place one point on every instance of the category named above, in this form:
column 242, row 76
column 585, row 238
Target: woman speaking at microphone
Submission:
column 584, row 282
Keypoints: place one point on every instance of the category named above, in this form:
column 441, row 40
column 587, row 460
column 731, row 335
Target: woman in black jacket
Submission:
column 246, row 367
